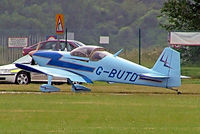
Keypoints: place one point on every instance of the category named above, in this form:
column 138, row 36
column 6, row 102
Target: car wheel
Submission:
column 22, row 78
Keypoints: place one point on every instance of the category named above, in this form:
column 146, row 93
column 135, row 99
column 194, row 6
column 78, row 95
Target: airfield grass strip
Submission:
column 191, row 86
column 109, row 109
column 99, row 113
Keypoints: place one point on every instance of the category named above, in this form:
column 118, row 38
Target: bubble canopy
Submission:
column 94, row 53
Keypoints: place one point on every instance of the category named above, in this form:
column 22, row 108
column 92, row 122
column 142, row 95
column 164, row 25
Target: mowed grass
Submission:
column 193, row 72
column 93, row 113
column 109, row 109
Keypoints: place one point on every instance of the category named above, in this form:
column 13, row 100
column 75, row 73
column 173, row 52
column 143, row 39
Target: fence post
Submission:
column 139, row 49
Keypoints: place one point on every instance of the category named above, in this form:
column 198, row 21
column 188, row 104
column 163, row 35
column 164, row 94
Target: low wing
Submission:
column 155, row 76
column 54, row 72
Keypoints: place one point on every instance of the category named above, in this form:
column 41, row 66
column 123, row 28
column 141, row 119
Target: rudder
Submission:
column 169, row 64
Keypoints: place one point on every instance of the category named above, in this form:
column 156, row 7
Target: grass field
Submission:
column 193, row 72
column 109, row 109
column 92, row 113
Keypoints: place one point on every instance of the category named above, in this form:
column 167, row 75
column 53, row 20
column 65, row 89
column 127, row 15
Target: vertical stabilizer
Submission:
column 169, row 64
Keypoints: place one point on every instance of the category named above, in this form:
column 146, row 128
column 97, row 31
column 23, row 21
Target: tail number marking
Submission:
column 117, row 74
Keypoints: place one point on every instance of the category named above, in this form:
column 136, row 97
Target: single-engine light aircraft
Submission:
column 92, row 63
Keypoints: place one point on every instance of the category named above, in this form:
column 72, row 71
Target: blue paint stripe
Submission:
column 55, row 61
column 83, row 76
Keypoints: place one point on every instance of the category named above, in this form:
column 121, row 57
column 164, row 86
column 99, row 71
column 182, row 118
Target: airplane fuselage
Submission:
column 92, row 63
column 110, row 68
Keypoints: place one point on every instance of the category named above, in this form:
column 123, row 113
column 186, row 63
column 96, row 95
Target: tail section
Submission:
column 169, row 64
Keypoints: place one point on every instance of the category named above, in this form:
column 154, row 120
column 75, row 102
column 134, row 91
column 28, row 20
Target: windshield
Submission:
column 25, row 59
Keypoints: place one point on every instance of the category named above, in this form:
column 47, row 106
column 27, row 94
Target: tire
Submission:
column 22, row 78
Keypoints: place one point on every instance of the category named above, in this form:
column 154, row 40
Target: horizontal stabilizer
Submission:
column 185, row 77
column 54, row 72
column 155, row 76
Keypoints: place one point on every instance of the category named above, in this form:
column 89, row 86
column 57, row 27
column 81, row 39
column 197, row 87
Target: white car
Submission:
column 11, row 74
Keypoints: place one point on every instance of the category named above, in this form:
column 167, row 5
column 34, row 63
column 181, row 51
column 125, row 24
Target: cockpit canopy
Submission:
column 94, row 53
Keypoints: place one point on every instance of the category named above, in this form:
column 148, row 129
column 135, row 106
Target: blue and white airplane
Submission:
column 92, row 63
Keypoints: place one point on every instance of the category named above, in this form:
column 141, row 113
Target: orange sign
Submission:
column 59, row 24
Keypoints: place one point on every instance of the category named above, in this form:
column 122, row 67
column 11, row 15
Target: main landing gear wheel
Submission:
column 47, row 88
column 179, row 92
column 78, row 87
column 22, row 78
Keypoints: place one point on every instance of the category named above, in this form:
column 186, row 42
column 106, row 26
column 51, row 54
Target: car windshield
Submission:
column 25, row 59
column 78, row 43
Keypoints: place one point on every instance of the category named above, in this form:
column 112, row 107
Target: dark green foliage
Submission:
column 190, row 55
column 183, row 15
column 120, row 19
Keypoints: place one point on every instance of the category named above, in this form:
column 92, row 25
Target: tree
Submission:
column 183, row 15
column 88, row 19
